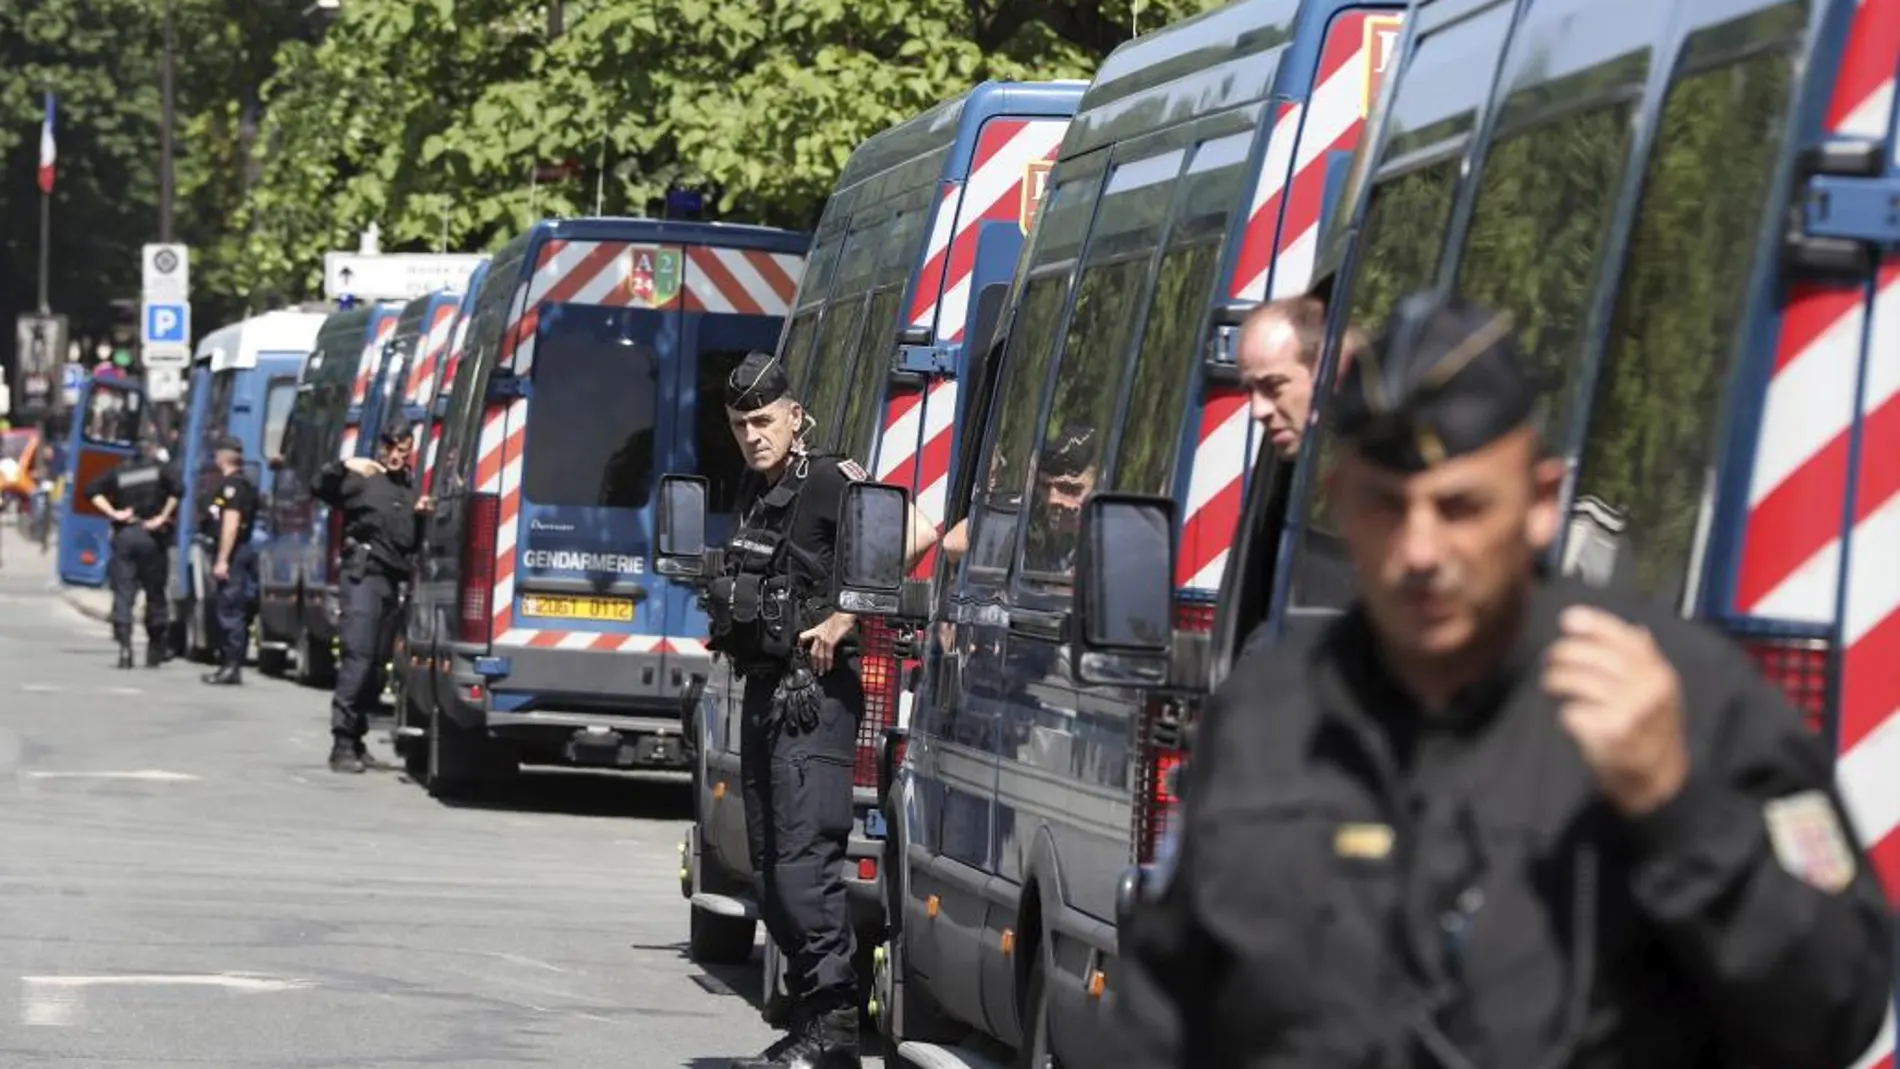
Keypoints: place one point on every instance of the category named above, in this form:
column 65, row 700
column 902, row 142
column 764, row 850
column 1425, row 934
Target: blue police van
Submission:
column 912, row 259
column 1194, row 183
column 417, row 346
column 593, row 362
column 301, row 553
column 109, row 419
column 243, row 382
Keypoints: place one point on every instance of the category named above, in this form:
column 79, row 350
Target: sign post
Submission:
column 165, row 319
column 398, row 276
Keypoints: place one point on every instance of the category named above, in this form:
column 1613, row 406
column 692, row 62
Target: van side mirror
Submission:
column 873, row 525
column 1123, row 626
column 682, row 525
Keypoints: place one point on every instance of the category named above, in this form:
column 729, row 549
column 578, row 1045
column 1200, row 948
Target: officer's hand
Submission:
column 152, row 524
column 364, row 466
column 1622, row 703
column 425, row 504
column 823, row 640
column 221, row 571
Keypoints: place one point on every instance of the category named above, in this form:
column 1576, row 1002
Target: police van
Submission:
column 1192, row 185
column 109, row 419
column 243, row 382
column 912, row 259
column 436, row 372
column 301, row 555
column 416, row 350
column 1684, row 204
column 595, row 357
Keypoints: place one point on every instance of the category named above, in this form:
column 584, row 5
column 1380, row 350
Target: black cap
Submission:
column 1444, row 379
column 226, row 443
column 759, row 380
column 1069, row 453
column 398, row 429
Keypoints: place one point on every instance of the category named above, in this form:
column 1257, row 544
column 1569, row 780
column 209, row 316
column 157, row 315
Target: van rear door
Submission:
column 108, row 419
column 593, row 441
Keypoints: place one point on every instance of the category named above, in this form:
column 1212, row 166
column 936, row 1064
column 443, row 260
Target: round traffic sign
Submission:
column 165, row 260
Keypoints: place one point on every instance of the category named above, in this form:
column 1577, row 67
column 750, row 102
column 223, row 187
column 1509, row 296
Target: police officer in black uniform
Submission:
column 231, row 515
column 382, row 518
column 771, row 614
column 139, row 496
column 1488, row 818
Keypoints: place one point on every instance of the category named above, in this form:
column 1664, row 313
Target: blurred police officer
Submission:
column 773, row 617
column 232, row 513
column 382, row 521
column 139, row 496
column 1486, row 818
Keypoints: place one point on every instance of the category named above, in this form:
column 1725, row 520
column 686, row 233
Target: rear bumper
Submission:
column 650, row 679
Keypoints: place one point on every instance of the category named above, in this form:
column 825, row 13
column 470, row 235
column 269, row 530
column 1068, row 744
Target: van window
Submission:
column 1031, row 346
column 1087, row 385
column 797, row 349
column 1534, row 246
column 218, row 408
column 867, row 382
column 481, row 351
column 1403, row 240
column 1657, row 397
column 1144, row 462
column 719, row 460
column 831, row 367
column 590, row 426
column 113, row 416
column 277, row 401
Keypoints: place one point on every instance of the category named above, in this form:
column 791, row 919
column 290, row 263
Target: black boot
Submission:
column 343, row 756
column 155, row 650
column 226, row 676
column 368, row 760
column 125, row 655
column 827, row 1040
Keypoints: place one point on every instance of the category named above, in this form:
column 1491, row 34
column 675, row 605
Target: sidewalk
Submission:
column 20, row 559
column 92, row 604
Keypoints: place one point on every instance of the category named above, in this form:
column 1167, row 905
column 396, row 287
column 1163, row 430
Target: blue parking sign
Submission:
column 167, row 324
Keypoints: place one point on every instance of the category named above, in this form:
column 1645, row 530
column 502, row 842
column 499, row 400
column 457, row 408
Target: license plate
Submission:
column 874, row 824
column 614, row 609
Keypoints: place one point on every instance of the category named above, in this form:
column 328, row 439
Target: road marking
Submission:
column 57, row 1001
column 39, row 688
column 129, row 691
column 147, row 774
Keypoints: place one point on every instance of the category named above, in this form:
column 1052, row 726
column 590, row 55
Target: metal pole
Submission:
column 46, row 249
column 165, row 137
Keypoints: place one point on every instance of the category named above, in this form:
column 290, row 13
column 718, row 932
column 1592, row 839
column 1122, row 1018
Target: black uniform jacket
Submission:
column 1350, row 893
column 379, row 512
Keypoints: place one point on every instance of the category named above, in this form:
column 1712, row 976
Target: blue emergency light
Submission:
column 684, row 202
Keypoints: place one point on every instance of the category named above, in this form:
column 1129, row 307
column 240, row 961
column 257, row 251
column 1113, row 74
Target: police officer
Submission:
column 382, row 521
column 1488, row 818
column 772, row 616
column 139, row 495
column 231, row 514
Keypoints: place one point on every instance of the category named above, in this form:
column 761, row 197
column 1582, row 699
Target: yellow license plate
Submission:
column 617, row 609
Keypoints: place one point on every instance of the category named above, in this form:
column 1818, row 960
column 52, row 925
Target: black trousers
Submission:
column 367, row 625
column 237, row 594
column 137, row 565
column 797, row 787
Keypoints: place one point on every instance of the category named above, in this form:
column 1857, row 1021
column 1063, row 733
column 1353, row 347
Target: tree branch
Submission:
column 1079, row 22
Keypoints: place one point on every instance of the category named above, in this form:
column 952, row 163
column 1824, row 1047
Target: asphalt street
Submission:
column 184, row 883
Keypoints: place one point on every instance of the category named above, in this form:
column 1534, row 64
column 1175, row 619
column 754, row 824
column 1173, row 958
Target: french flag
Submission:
column 46, row 149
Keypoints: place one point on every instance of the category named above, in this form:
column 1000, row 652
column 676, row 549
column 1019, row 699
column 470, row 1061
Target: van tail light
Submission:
column 477, row 609
column 334, row 546
column 1803, row 667
column 877, row 658
column 1162, row 746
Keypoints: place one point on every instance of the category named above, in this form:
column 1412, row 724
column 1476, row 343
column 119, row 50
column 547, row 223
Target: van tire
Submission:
column 461, row 761
column 1035, row 1052
column 315, row 667
column 712, row 939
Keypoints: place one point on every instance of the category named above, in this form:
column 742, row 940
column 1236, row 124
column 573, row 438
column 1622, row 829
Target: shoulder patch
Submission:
column 1809, row 840
column 853, row 472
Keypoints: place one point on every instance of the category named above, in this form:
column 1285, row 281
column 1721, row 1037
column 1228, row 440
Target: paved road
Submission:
column 183, row 883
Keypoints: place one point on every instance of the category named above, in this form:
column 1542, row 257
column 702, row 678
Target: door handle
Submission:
column 1035, row 623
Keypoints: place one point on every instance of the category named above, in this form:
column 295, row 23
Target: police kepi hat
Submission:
column 759, row 380
column 1444, row 379
column 226, row 443
column 398, row 429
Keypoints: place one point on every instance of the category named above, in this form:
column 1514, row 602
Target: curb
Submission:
column 87, row 607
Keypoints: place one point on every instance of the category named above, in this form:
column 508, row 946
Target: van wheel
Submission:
column 414, row 751
column 775, row 1002
column 1036, row 1051
column 720, row 940
column 272, row 661
column 315, row 667
column 462, row 761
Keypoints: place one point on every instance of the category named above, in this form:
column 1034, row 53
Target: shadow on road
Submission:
column 586, row 794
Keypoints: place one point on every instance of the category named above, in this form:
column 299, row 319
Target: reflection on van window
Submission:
column 1658, row 395
column 831, row 368
column 797, row 350
column 1404, row 237
column 1144, row 462
column 719, row 460
column 590, row 426
column 866, row 396
column 112, row 417
column 277, row 401
column 1087, row 385
column 1032, row 344
column 1545, row 198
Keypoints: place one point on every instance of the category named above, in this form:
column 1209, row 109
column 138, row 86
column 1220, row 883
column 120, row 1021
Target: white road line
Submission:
column 40, row 688
column 59, row 1001
column 152, row 775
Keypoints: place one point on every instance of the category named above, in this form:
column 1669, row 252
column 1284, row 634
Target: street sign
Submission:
column 167, row 275
column 164, row 383
column 71, row 378
column 165, row 335
column 42, row 343
column 397, row 276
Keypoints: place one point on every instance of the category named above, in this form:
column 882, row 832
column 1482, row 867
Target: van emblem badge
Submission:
column 1380, row 47
column 653, row 276
column 1035, row 181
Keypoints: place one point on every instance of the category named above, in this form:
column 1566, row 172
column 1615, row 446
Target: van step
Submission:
column 410, row 731
column 931, row 1056
column 726, row 905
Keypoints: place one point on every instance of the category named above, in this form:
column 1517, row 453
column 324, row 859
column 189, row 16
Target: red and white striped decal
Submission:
column 420, row 388
column 1792, row 552
column 457, row 345
column 618, row 274
column 366, row 364
column 1280, row 241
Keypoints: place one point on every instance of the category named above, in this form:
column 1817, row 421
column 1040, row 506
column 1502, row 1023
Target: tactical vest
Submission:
column 757, row 606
